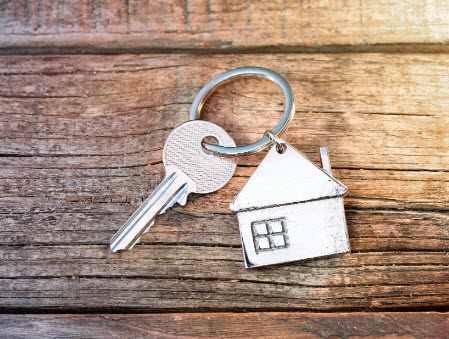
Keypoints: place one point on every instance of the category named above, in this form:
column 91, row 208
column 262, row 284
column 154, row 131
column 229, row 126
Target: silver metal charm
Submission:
column 290, row 209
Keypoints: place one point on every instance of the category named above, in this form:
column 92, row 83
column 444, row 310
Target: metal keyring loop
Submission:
column 281, row 127
column 275, row 141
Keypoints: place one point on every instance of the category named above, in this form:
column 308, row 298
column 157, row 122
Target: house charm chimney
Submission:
column 290, row 209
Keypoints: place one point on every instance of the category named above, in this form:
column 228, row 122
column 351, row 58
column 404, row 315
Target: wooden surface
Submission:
column 81, row 139
column 36, row 26
column 229, row 325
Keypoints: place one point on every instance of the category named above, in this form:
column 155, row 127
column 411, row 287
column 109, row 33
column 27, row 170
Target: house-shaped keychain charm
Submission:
column 290, row 209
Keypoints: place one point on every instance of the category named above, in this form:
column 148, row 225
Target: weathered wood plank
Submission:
column 144, row 294
column 73, row 106
column 345, row 83
column 195, row 262
column 229, row 325
column 95, row 223
column 203, row 277
column 68, row 26
column 368, row 188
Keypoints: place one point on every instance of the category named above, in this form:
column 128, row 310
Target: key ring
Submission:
column 281, row 127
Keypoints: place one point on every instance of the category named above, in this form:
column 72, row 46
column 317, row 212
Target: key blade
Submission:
column 164, row 196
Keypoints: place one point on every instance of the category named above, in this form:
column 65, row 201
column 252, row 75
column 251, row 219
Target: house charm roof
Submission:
column 284, row 179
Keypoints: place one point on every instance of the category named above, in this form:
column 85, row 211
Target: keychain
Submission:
column 290, row 209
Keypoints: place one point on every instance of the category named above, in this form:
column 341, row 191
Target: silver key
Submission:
column 188, row 169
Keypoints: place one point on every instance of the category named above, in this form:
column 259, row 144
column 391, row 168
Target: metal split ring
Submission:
column 280, row 148
column 211, row 86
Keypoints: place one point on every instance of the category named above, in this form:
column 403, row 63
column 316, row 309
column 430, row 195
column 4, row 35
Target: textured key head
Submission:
column 183, row 149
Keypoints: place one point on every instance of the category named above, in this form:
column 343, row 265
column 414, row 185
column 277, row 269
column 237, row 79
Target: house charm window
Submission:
column 270, row 234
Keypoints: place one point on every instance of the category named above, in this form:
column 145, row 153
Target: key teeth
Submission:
column 165, row 209
column 183, row 200
column 137, row 241
column 149, row 226
column 180, row 199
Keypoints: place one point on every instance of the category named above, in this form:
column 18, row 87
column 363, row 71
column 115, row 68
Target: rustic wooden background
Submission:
column 89, row 91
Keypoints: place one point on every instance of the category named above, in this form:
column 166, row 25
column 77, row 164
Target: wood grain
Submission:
column 212, row 278
column 229, row 325
column 81, row 141
column 36, row 26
